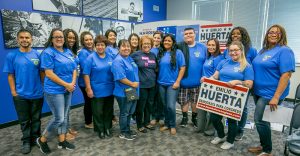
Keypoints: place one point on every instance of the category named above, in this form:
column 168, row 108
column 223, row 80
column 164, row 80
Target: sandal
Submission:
column 142, row 130
column 150, row 127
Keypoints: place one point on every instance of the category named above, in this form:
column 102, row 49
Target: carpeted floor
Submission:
column 186, row 142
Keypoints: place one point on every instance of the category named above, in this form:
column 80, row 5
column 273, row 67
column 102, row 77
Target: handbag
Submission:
column 131, row 94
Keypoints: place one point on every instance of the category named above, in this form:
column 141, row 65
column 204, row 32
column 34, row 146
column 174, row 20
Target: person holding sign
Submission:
column 234, row 71
column 214, row 57
column 275, row 64
column 171, row 70
column 242, row 35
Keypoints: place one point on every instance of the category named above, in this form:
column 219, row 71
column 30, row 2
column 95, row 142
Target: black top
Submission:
column 146, row 63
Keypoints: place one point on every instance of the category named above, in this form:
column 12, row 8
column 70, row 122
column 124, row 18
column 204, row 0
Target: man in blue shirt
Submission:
column 195, row 55
column 24, row 78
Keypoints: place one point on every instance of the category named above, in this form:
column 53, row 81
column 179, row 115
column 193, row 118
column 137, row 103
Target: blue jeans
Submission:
column 59, row 105
column 263, row 127
column 127, row 108
column 168, row 98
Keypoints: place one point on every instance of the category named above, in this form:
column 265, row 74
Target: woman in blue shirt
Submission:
column 112, row 48
column 146, row 62
column 60, row 69
column 234, row 71
column 275, row 64
column 72, row 42
column 171, row 66
column 125, row 73
column 99, row 86
column 86, row 40
column 241, row 34
column 214, row 57
column 158, row 108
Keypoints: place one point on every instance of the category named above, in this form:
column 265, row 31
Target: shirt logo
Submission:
column 266, row 57
column 109, row 63
column 71, row 58
column 35, row 61
column 236, row 69
column 209, row 62
column 197, row 54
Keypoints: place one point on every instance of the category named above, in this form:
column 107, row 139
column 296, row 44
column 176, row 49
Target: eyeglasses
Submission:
column 57, row 37
column 274, row 33
column 234, row 50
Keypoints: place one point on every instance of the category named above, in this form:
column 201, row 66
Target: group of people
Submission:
column 147, row 76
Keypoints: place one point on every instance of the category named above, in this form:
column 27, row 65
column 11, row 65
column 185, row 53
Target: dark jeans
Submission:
column 232, row 127
column 168, row 96
column 158, row 107
column 263, row 127
column 87, row 109
column 243, row 121
column 29, row 116
column 144, row 106
column 127, row 108
column 102, row 113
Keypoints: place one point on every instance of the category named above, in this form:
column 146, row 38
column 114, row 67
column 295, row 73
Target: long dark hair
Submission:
column 75, row 48
column 282, row 41
column 163, row 50
column 246, row 41
column 49, row 41
column 217, row 52
column 106, row 35
column 129, row 39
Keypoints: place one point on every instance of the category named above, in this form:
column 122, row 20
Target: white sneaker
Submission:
column 218, row 140
column 226, row 145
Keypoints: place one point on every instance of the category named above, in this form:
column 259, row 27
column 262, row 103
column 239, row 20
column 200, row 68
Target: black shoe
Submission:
column 66, row 145
column 184, row 122
column 108, row 133
column 44, row 148
column 26, row 148
column 126, row 136
column 133, row 133
column 194, row 121
column 101, row 135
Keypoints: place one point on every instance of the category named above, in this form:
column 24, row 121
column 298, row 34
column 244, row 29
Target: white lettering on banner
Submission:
column 217, row 97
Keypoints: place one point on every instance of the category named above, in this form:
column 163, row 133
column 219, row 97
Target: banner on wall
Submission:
column 219, row 31
column 217, row 97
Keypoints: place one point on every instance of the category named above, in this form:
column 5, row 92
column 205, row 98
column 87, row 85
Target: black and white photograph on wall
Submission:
column 60, row 6
column 123, row 29
column 101, row 8
column 80, row 24
column 39, row 24
column 108, row 24
column 130, row 10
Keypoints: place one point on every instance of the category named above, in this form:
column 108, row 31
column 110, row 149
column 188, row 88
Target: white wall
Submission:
column 182, row 10
column 179, row 9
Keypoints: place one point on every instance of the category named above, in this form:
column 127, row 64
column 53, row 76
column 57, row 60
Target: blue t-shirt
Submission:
column 146, row 63
column 26, row 69
column 112, row 51
column 250, row 55
column 155, row 51
column 124, row 67
column 63, row 65
column 83, row 54
column 230, row 70
column 167, row 75
column 101, row 77
column 270, row 65
column 210, row 65
column 196, row 60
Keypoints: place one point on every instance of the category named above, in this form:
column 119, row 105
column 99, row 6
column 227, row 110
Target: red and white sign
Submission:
column 217, row 97
column 218, row 31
